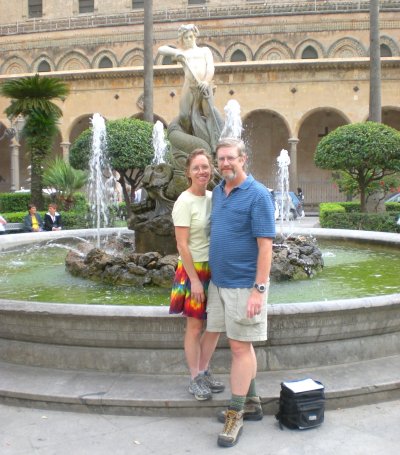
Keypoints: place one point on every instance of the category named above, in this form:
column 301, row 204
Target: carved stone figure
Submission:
column 198, row 125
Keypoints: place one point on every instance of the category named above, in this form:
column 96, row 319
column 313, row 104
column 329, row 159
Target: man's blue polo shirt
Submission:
column 236, row 222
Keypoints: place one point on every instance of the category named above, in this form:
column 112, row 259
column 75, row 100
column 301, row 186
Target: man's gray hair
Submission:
column 231, row 142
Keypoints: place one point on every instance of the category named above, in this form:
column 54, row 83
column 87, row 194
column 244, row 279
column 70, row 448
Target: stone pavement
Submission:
column 364, row 430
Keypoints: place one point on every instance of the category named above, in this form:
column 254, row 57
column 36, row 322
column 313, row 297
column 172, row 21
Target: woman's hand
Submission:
column 197, row 291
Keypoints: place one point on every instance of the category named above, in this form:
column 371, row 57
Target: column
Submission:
column 14, row 165
column 65, row 146
column 293, row 178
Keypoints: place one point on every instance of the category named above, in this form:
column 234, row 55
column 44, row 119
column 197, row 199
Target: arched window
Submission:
column 137, row 4
column 86, row 6
column 238, row 56
column 35, row 8
column 44, row 67
column 385, row 51
column 167, row 60
column 105, row 62
column 309, row 52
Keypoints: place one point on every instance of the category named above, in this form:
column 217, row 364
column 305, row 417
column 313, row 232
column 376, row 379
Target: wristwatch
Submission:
column 260, row 287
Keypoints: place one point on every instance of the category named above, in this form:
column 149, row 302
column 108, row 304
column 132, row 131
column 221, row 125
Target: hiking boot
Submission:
column 252, row 410
column 214, row 385
column 199, row 388
column 232, row 428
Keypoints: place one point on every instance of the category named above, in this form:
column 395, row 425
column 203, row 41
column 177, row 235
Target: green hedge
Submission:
column 14, row 202
column 71, row 219
column 18, row 202
column 336, row 216
column 393, row 207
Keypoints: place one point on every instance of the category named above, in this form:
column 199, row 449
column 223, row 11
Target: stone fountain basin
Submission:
column 148, row 340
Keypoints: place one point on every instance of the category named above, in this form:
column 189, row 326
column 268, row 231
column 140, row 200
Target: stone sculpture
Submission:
column 198, row 125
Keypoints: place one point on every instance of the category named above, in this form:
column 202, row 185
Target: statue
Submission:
column 198, row 116
column 198, row 125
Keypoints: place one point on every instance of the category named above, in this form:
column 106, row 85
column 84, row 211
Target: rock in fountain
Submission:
column 118, row 264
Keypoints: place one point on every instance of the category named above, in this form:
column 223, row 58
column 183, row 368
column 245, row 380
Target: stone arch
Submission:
column 346, row 48
column 309, row 43
column 15, row 65
column 98, row 58
column 265, row 133
column 80, row 124
column 273, row 50
column 134, row 57
column 238, row 47
column 140, row 116
column 216, row 54
column 39, row 61
column 73, row 61
column 391, row 116
column 316, row 183
column 391, row 44
column 164, row 59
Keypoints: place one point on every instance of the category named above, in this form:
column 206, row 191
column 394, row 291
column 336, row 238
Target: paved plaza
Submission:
column 363, row 430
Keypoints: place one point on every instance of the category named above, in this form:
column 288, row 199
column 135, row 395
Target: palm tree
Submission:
column 32, row 98
column 65, row 180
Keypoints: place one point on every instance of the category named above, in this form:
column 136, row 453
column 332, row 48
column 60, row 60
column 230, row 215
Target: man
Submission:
column 242, row 230
column 33, row 221
column 52, row 219
column 197, row 114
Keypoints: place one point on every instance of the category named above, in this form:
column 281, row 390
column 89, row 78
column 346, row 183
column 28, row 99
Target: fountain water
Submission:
column 233, row 122
column 283, row 185
column 159, row 143
column 102, row 183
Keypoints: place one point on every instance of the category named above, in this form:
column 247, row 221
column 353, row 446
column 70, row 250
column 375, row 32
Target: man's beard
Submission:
column 231, row 176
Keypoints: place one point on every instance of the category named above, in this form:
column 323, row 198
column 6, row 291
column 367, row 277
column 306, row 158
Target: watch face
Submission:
column 260, row 287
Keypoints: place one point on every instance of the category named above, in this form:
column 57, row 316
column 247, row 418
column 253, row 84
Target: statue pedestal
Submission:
column 156, row 234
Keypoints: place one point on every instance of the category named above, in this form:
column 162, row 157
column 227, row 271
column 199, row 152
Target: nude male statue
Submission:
column 197, row 115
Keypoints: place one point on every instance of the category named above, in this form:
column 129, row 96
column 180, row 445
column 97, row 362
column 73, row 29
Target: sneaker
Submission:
column 214, row 385
column 252, row 410
column 199, row 388
column 232, row 428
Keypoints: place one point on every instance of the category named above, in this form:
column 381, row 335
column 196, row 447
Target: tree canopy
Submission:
column 366, row 152
column 130, row 150
column 32, row 98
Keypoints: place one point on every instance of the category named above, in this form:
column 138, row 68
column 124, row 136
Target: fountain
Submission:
column 102, row 183
column 94, row 357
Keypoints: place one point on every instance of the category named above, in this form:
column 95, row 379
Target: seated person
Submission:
column 52, row 219
column 33, row 221
column 3, row 223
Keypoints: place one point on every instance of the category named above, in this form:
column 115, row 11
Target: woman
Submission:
column 191, row 216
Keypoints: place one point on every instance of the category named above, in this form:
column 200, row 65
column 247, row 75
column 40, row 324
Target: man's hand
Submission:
column 255, row 303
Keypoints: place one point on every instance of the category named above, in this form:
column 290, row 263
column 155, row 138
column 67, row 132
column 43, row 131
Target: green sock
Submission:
column 252, row 389
column 237, row 403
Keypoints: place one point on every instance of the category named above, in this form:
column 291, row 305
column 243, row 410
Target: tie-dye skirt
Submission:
column 181, row 301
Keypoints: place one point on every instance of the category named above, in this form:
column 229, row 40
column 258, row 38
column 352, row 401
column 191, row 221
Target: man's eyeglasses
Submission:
column 230, row 159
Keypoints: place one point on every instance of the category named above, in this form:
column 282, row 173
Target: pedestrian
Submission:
column 242, row 231
column 33, row 221
column 191, row 217
column 52, row 219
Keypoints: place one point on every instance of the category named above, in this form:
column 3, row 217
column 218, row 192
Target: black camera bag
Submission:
column 301, row 410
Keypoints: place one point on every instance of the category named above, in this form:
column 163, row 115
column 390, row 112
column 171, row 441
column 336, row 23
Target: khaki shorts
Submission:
column 226, row 312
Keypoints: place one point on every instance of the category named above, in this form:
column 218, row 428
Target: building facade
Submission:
column 298, row 70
